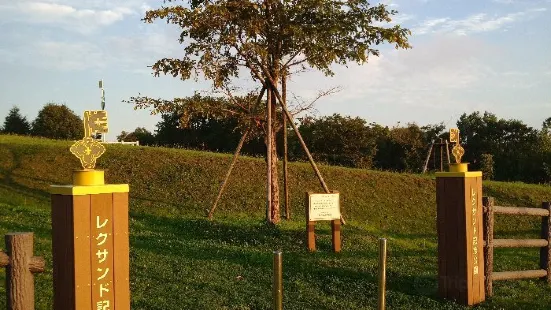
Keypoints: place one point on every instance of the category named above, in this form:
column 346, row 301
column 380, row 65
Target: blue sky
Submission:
column 468, row 55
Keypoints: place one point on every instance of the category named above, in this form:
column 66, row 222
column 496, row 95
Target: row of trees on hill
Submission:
column 53, row 121
column 503, row 149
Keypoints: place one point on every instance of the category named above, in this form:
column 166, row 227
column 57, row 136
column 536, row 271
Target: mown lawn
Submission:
column 180, row 260
column 186, row 262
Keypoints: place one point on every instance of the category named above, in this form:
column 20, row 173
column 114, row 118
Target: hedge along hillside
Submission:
column 188, row 181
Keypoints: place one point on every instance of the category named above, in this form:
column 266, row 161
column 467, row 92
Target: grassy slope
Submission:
column 180, row 261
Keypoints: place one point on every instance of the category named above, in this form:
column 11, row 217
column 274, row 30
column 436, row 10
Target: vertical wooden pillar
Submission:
column 336, row 235
column 310, row 226
column 545, row 252
column 90, row 247
column 488, row 203
column 460, row 237
column 21, row 264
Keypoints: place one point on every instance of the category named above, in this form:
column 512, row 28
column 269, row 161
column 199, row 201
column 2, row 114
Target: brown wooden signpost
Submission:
column 323, row 207
column 460, row 232
column 90, row 233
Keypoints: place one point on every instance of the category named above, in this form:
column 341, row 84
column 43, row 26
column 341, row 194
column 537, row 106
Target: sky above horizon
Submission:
column 467, row 55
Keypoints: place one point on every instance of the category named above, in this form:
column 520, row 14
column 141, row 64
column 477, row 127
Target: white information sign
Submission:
column 324, row 207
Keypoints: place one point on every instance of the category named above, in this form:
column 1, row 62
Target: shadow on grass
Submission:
column 7, row 181
column 251, row 244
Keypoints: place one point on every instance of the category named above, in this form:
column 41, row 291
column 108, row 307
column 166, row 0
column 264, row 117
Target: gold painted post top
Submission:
column 75, row 190
column 88, row 177
column 464, row 174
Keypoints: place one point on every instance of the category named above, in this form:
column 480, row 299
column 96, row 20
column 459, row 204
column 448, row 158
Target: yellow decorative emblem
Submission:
column 458, row 151
column 88, row 150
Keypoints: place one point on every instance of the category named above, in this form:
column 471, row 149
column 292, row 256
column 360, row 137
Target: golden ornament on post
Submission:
column 458, row 151
column 88, row 150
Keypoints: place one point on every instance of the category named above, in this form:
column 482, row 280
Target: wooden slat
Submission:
column 521, row 211
column 515, row 275
column 102, row 281
column 63, row 252
column 468, row 245
column 520, row 243
column 82, row 255
column 121, row 249
column 441, row 232
column 455, row 240
column 479, row 290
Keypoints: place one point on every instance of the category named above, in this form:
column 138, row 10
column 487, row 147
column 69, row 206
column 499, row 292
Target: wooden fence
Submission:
column 20, row 265
column 490, row 243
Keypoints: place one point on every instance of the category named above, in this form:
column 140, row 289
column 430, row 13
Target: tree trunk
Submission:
column 272, row 210
column 275, row 217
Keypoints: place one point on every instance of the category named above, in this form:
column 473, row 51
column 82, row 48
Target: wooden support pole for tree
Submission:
column 448, row 152
column 285, row 152
column 299, row 136
column 269, row 154
column 545, row 252
column 234, row 160
column 236, row 154
column 441, row 156
column 425, row 166
column 21, row 265
column 434, row 160
column 488, row 203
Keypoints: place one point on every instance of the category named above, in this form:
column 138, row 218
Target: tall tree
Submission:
column 140, row 134
column 268, row 38
column 57, row 121
column 15, row 123
column 513, row 144
column 338, row 140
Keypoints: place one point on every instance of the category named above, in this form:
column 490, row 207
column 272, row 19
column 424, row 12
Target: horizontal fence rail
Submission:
column 520, row 211
column 520, row 243
column 515, row 275
column 490, row 243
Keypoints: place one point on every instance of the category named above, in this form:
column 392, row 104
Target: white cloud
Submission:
column 65, row 56
column 475, row 23
column 423, row 76
column 130, row 52
column 80, row 16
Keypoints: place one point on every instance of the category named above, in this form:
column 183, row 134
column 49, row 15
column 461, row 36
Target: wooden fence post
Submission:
column 545, row 252
column 21, row 264
column 488, row 203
